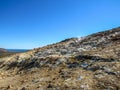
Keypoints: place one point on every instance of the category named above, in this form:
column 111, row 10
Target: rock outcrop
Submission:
column 86, row 63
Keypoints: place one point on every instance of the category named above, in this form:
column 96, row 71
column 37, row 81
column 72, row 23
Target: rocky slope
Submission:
column 2, row 50
column 86, row 63
column 6, row 53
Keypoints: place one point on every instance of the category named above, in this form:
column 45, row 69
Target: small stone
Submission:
column 23, row 88
column 9, row 87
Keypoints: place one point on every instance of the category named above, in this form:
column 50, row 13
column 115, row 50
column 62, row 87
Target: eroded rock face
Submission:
column 87, row 63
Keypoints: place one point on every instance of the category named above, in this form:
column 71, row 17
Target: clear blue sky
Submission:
column 35, row 23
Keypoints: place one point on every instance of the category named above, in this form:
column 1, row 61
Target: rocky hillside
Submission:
column 86, row 63
column 2, row 50
column 6, row 53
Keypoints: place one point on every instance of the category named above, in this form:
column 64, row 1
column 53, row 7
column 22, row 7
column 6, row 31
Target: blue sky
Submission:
column 35, row 23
